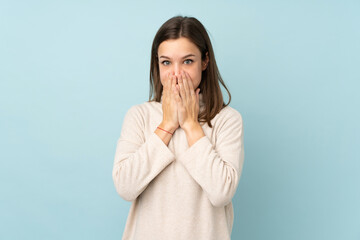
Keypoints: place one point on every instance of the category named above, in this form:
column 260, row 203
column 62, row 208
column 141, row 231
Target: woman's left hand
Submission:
column 188, row 102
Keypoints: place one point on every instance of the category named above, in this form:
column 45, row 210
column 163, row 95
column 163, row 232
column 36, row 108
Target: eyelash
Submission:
column 166, row 62
column 191, row 61
column 163, row 62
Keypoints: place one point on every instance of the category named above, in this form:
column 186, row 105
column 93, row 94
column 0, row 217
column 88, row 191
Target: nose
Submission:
column 177, row 69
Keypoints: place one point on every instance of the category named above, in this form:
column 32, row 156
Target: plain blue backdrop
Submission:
column 69, row 71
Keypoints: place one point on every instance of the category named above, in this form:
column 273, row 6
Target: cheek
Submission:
column 195, row 75
column 163, row 73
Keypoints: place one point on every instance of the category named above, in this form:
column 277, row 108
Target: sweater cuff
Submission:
column 165, row 152
column 195, row 151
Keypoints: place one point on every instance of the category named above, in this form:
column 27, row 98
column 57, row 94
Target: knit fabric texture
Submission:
column 178, row 192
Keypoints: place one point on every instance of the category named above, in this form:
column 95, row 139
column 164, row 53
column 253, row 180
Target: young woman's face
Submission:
column 177, row 55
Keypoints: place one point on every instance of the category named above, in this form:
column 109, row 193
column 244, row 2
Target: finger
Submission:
column 191, row 88
column 173, row 84
column 170, row 86
column 190, row 82
column 197, row 95
column 191, row 85
column 185, row 86
column 174, row 90
column 163, row 94
column 166, row 81
column 173, row 81
column 166, row 86
column 190, row 93
column 178, row 98
column 181, row 86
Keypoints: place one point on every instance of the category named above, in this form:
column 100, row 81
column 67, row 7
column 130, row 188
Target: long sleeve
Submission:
column 217, row 169
column 137, row 160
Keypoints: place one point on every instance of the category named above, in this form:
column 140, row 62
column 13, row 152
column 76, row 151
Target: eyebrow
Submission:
column 186, row 56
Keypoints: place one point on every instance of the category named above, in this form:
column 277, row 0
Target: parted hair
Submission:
column 192, row 29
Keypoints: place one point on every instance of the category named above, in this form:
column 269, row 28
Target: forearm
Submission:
column 216, row 163
column 137, row 165
column 216, row 170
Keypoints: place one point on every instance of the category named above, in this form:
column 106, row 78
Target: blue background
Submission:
column 71, row 69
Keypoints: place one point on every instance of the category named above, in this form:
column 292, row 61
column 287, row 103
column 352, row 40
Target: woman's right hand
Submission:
column 170, row 120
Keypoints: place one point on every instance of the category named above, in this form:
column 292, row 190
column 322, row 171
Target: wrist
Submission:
column 168, row 127
column 192, row 127
column 193, row 133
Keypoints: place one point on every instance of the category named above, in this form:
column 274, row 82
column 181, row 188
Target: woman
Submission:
column 180, row 155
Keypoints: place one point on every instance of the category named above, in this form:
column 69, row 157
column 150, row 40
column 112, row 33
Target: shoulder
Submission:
column 143, row 110
column 228, row 119
column 229, row 114
column 227, row 124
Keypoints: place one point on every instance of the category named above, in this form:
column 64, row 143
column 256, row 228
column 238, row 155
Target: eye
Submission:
column 188, row 61
column 165, row 62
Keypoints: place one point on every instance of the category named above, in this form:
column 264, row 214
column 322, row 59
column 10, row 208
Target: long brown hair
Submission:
column 192, row 29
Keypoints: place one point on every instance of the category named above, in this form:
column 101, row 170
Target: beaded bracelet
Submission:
column 165, row 130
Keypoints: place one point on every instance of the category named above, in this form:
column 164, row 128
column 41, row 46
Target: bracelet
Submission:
column 165, row 130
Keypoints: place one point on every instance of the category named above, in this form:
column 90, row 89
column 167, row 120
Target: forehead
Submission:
column 180, row 46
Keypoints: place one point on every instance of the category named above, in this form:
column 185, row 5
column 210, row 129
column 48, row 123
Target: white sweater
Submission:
column 178, row 192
